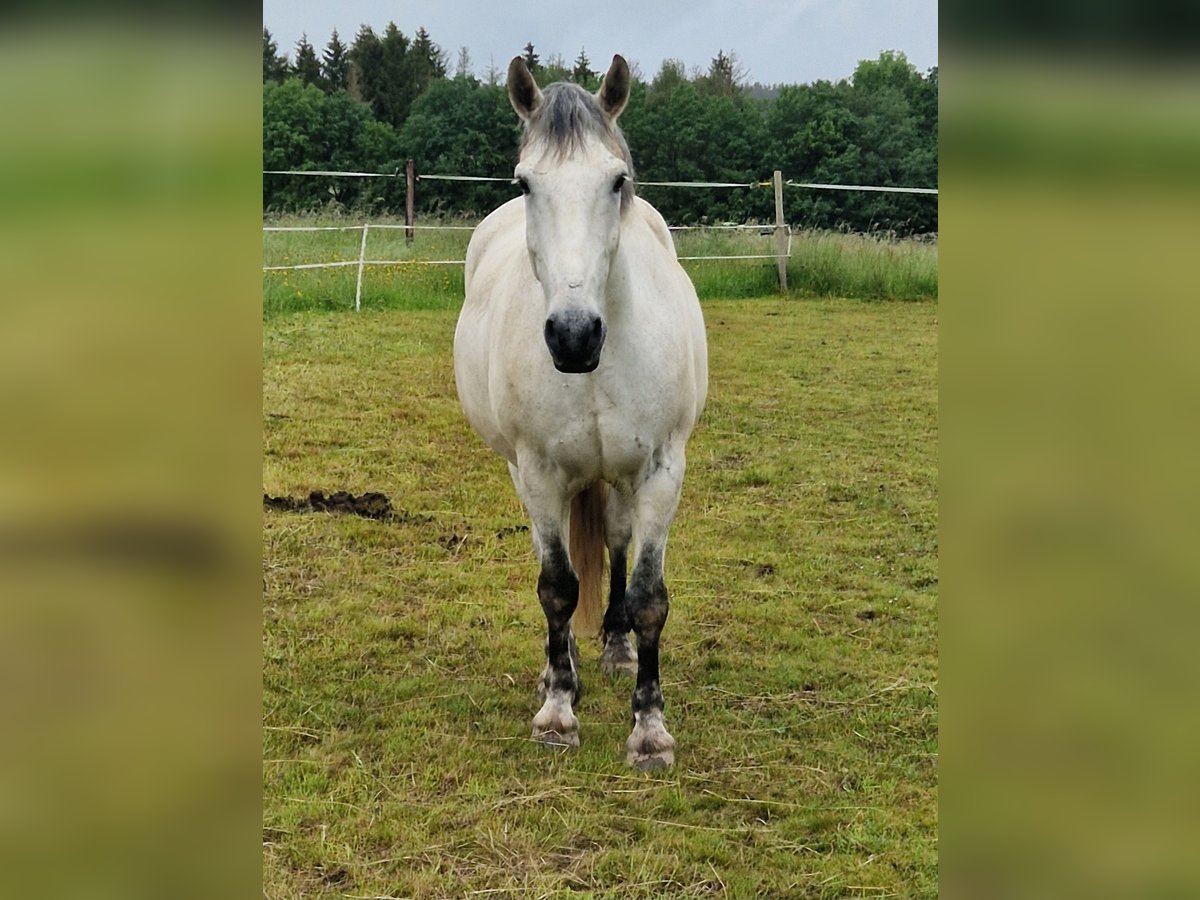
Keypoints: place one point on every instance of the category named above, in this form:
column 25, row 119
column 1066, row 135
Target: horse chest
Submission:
column 593, row 430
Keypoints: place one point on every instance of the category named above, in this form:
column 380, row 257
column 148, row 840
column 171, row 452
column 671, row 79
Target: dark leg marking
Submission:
column 619, row 655
column 558, row 591
column 650, row 746
column 616, row 617
column 649, row 606
column 543, row 684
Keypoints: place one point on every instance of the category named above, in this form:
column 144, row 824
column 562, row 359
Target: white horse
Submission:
column 580, row 357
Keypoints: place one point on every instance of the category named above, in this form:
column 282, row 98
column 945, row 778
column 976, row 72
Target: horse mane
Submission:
column 566, row 119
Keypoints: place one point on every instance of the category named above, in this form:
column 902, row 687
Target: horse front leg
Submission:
column 651, row 746
column 559, row 685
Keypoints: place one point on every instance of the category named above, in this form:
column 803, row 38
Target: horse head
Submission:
column 577, row 177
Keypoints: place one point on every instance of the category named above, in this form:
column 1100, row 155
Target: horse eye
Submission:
column 524, row 185
column 619, row 183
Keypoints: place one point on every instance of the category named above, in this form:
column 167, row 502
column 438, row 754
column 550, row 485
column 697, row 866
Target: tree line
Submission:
column 384, row 98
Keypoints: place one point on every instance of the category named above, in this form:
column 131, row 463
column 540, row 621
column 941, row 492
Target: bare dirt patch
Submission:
column 370, row 505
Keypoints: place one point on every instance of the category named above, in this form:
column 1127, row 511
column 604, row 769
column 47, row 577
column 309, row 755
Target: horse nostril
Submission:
column 597, row 325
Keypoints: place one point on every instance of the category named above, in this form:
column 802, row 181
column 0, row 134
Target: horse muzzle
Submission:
column 575, row 339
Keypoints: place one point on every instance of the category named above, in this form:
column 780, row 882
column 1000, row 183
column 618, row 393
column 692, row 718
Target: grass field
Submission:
column 822, row 264
column 799, row 662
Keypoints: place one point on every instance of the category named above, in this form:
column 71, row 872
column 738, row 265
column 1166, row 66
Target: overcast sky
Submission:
column 777, row 41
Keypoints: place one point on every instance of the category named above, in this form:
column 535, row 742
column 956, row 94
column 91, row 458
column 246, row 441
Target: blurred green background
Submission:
column 1070, row 185
column 130, row 372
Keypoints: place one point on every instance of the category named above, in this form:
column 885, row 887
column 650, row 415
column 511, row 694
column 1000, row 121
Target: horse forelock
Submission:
column 567, row 119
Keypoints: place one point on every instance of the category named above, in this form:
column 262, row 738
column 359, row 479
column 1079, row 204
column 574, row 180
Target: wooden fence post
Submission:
column 781, row 233
column 410, row 184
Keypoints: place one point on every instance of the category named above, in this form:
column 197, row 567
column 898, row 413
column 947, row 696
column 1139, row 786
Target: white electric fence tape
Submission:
column 362, row 262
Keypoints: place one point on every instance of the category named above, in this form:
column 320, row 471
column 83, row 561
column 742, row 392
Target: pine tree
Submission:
column 366, row 67
column 393, row 94
column 463, row 69
column 492, row 76
column 532, row 63
column 582, row 72
column 429, row 53
column 307, row 68
column 335, row 64
column 725, row 76
column 275, row 67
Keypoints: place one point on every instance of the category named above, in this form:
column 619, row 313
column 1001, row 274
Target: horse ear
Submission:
column 614, row 90
column 523, row 92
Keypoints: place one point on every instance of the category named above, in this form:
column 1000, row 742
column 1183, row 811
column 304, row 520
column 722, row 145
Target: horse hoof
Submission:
column 619, row 657
column 650, row 746
column 555, row 724
column 650, row 762
column 569, row 739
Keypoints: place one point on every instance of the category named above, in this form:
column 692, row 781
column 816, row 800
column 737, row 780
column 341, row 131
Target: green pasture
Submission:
column 799, row 661
column 822, row 264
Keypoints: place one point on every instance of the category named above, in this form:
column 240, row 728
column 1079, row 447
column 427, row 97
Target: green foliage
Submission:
column 393, row 94
column 308, row 69
column 335, row 64
column 275, row 67
column 428, row 60
column 724, row 78
column 552, row 70
column 366, row 54
column 532, row 62
column 677, row 133
column 879, row 127
column 391, row 71
column 305, row 128
column 459, row 126
column 582, row 72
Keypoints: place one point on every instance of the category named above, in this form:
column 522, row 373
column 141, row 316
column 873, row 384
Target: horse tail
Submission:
column 587, row 555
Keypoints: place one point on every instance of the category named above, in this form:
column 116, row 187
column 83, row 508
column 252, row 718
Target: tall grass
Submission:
column 410, row 283
column 822, row 264
column 864, row 266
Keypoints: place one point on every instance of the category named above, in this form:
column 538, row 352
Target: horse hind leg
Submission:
column 619, row 656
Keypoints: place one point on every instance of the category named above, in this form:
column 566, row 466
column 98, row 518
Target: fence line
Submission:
column 363, row 263
column 359, row 227
column 715, row 227
column 861, row 187
column 779, row 229
column 430, row 227
column 313, row 227
column 323, row 172
column 458, row 262
column 684, row 184
column 463, row 178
